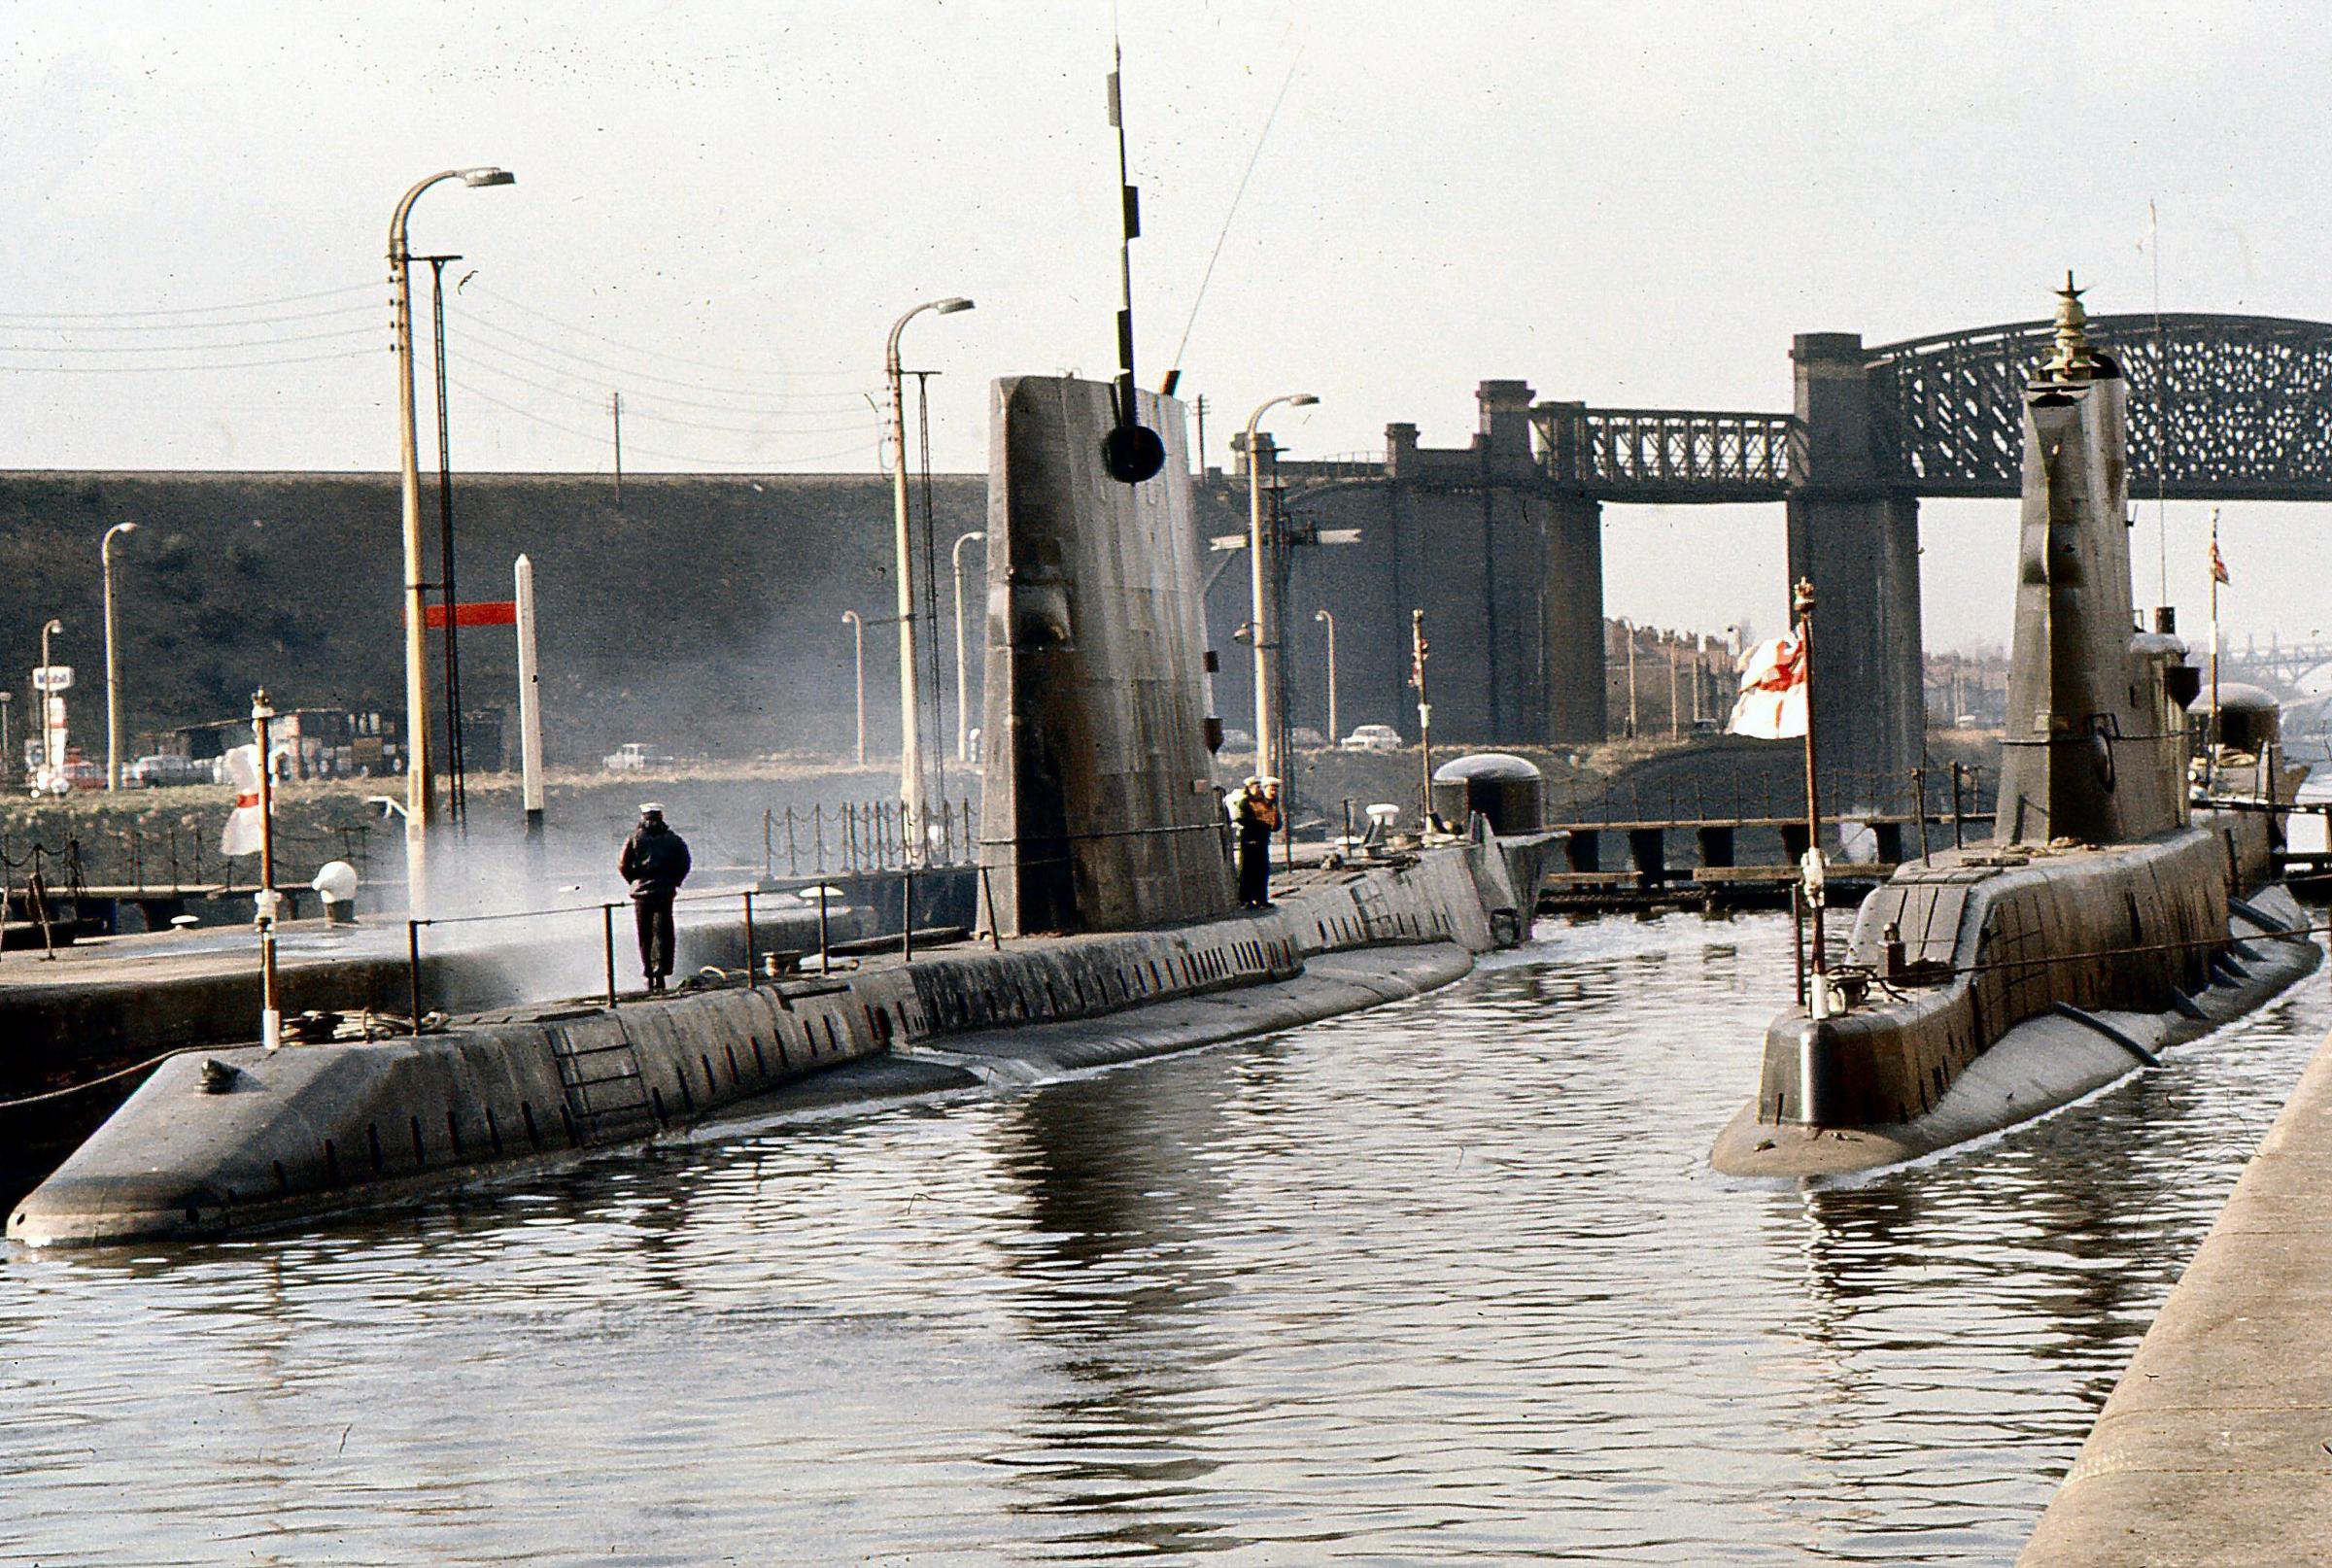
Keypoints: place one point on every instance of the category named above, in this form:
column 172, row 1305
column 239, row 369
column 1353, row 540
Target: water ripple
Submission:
column 1447, row 1282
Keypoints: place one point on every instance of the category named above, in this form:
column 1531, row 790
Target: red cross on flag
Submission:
column 1772, row 703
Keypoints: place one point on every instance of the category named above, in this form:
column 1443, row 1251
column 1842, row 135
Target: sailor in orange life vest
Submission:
column 1255, row 810
column 655, row 862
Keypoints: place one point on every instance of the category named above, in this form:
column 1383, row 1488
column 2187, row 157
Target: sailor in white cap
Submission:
column 1257, row 813
column 655, row 862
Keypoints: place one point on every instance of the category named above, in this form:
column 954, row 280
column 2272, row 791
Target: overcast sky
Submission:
column 721, row 208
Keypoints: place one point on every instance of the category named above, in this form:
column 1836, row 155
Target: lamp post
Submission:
column 1676, row 686
column 911, row 740
column 421, row 794
column 1266, row 759
column 963, row 700
column 1631, row 625
column 51, row 762
column 1335, row 732
column 858, row 655
column 113, row 668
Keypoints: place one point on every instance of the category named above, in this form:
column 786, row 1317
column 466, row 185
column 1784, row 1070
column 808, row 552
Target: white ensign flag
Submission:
column 242, row 834
column 1772, row 703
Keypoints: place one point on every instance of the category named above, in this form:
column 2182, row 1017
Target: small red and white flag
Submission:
column 2218, row 567
column 1773, row 702
column 243, row 826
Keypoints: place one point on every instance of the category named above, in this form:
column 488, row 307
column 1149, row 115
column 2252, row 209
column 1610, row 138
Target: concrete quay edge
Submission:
column 2215, row 1446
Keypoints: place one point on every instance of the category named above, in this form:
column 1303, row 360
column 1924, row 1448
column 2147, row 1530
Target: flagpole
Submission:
column 265, row 902
column 2154, row 245
column 1818, row 990
column 2211, row 733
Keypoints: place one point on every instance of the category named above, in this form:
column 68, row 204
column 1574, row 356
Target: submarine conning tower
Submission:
column 2094, row 745
column 1099, row 811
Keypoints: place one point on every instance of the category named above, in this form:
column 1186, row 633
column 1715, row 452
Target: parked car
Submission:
column 634, row 756
column 165, row 769
column 1306, row 738
column 1373, row 737
column 1238, row 740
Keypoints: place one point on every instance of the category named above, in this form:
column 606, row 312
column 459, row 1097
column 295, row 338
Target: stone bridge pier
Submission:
column 1854, row 533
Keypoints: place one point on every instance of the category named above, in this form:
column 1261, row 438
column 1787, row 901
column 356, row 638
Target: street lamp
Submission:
column 1335, row 732
column 1676, row 686
column 1259, row 611
column 421, row 794
column 858, row 655
column 911, row 740
column 113, row 668
column 51, row 762
column 963, row 711
column 1632, row 630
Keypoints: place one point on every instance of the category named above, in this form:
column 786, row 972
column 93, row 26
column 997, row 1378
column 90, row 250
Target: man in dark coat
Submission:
column 655, row 862
column 1258, row 818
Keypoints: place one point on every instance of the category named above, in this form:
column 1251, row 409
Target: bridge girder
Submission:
column 2221, row 407
column 2224, row 407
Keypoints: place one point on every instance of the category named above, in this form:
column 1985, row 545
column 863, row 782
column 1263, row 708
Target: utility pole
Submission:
column 457, row 792
column 615, row 407
column 1201, row 406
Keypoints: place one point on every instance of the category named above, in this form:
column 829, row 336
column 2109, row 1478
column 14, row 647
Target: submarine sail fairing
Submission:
column 2108, row 918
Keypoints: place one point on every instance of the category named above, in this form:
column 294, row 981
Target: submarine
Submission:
column 2120, row 907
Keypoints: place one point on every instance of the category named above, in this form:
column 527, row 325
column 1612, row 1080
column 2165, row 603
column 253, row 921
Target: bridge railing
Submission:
column 1646, row 454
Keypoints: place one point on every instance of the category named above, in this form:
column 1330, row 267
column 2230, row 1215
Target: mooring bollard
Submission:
column 607, row 946
column 749, row 938
column 413, row 972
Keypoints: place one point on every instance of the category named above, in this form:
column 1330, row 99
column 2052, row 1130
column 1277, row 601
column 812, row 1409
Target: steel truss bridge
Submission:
column 2220, row 408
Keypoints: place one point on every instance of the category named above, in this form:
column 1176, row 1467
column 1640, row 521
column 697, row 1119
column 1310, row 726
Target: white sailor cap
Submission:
column 651, row 808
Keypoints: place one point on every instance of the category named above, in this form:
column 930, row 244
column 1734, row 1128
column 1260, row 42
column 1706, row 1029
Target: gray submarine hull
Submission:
column 2001, row 1042
column 1985, row 986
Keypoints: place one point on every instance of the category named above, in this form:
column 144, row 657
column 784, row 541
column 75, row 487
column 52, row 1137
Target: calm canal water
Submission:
column 1445, row 1283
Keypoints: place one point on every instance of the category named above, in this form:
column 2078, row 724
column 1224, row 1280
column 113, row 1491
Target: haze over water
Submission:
column 1450, row 1281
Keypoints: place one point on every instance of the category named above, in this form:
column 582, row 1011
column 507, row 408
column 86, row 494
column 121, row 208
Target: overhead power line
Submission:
column 187, row 347
column 594, row 399
column 171, row 369
column 632, row 373
column 596, row 439
column 726, row 368
column 184, row 310
column 76, row 329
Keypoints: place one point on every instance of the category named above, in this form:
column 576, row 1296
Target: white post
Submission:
column 113, row 667
column 530, row 700
column 858, row 658
column 1335, row 731
column 53, row 715
column 963, row 699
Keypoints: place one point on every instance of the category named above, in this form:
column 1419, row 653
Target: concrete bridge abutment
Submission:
column 1572, row 625
column 1855, row 535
